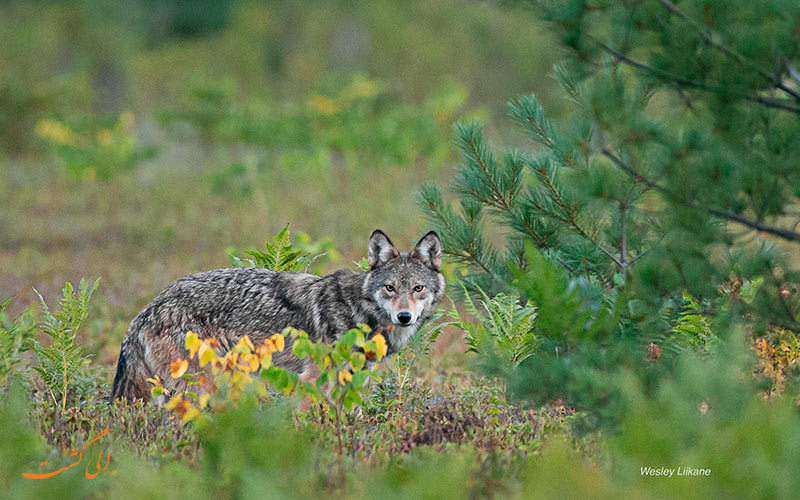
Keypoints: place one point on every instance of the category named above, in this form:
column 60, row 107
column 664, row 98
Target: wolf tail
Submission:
column 120, row 378
column 128, row 384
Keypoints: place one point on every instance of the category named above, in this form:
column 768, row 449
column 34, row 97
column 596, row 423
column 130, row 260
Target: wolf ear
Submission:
column 429, row 251
column 380, row 249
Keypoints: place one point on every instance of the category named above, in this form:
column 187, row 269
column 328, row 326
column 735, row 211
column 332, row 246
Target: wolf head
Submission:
column 406, row 285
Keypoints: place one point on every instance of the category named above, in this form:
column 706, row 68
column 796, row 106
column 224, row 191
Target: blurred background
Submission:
column 141, row 141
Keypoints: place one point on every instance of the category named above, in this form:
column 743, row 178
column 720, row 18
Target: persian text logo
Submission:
column 77, row 462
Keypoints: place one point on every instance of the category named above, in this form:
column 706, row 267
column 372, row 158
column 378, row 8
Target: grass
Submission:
column 197, row 184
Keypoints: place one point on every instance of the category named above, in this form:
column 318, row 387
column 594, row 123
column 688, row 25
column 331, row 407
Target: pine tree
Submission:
column 674, row 179
column 677, row 169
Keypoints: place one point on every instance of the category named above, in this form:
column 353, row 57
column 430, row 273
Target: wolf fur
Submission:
column 401, row 289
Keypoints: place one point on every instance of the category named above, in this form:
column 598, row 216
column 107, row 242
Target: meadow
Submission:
column 140, row 143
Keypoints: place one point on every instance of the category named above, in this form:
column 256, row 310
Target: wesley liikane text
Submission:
column 676, row 471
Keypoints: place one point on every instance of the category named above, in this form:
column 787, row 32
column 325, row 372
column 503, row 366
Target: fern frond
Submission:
column 63, row 358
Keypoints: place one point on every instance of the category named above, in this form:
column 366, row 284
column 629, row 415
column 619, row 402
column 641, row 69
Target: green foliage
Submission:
column 568, row 310
column 503, row 326
column 357, row 119
column 96, row 149
column 345, row 367
column 207, row 109
column 709, row 417
column 16, row 337
column 63, row 358
column 362, row 264
column 642, row 193
column 682, row 114
column 281, row 255
column 288, row 252
column 693, row 328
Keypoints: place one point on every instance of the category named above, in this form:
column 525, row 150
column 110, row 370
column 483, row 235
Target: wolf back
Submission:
column 400, row 289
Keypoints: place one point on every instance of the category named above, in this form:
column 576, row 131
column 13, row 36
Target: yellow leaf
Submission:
column 174, row 402
column 278, row 341
column 248, row 362
column 239, row 379
column 266, row 360
column 245, row 341
column 55, row 131
column 192, row 343
column 345, row 377
column 380, row 342
column 204, row 400
column 206, row 354
column 190, row 414
column 178, row 367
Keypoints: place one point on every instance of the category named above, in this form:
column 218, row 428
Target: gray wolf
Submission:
column 401, row 289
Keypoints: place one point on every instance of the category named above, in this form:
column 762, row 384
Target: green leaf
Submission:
column 359, row 378
column 357, row 361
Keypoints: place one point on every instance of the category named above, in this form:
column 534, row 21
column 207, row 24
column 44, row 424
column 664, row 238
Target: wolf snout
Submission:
column 404, row 317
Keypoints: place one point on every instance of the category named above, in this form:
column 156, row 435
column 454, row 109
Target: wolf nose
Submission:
column 404, row 317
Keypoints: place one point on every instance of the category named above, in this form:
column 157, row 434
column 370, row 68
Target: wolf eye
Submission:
column 418, row 288
column 389, row 288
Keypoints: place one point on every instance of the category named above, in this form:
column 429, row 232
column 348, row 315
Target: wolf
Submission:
column 396, row 296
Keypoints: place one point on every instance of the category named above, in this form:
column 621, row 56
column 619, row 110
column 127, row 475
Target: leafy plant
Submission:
column 693, row 328
column 503, row 325
column 777, row 357
column 280, row 255
column 344, row 369
column 209, row 109
column 94, row 150
column 290, row 253
column 16, row 337
column 61, row 360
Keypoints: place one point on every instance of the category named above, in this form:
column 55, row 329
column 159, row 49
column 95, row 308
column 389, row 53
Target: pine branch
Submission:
column 709, row 39
column 470, row 257
column 758, row 226
column 666, row 75
column 572, row 219
column 475, row 151
column 528, row 111
column 429, row 198
column 538, row 238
